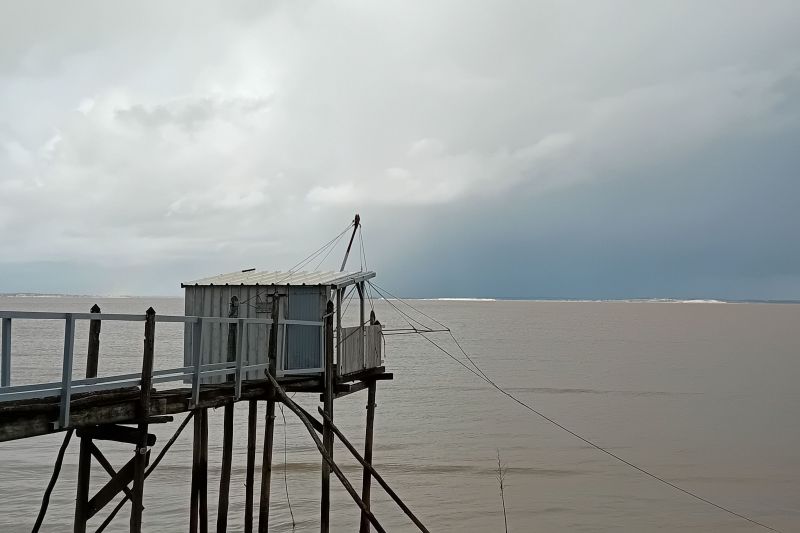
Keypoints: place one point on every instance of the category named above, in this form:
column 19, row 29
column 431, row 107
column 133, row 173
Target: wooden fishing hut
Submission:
column 248, row 336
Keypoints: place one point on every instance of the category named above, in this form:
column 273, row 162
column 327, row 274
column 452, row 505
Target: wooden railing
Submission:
column 68, row 386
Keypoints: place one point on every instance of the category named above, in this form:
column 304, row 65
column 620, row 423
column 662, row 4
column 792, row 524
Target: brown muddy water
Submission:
column 705, row 395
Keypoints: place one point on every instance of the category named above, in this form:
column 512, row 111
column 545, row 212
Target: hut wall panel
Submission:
column 303, row 343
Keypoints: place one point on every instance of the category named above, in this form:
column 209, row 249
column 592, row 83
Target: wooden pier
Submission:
column 253, row 357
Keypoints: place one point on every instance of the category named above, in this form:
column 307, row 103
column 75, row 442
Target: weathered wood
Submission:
column 328, row 392
column 227, row 431
column 109, row 491
column 49, row 490
column 366, row 475
column 98, row 455
column 21, row 418
column 252, row 421
column 93, row 351
column 325, row 455
column 376, row 475
column 84, row 454
column 140, row 459
column 203, row 488
column 150, row 469
column 225, row 474
column 194, row 513
column 316, row 424
column 114, row 433
column 269, row 429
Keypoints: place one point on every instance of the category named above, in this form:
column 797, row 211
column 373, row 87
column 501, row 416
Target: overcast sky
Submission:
column 499, row 148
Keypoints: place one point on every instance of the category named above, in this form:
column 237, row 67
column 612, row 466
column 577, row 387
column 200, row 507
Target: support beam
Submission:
column 366, row 476
column 150, row 469
column 115, row 433
column 116, row 485
column 142, row 453
column 203, row 489
column 252, row 421
column 98, row 455
column 377, row 477
column 328, row 392
column 84, row 455
column 269, row 429
column 227, row 431
column 289, row 403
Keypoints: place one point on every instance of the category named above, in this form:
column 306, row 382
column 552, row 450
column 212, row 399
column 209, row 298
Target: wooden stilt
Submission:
column 374, row 473
column 328, row 459
column 203, row 484
column 199, row 502
column 252, row 420
column 328, row 392
column 194, row 513
column 140, row 460
column 225, row 475
column 84, row 455
column 227, row 432
column 367, row 476
column 269, row 430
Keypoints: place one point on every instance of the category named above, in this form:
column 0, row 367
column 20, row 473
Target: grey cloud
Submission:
column 163, row 135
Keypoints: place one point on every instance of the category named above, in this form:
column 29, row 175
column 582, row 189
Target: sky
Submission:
column 524, row 149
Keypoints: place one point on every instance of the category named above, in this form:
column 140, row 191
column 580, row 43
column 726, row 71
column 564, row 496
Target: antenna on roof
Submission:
column 356, row 223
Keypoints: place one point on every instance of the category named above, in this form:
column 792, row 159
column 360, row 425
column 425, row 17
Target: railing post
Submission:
column 85, row 455
column 5, row 357
column 197, row 346
column 143, row 412
column 328, row 392
column 239, row 356
column 66, row 371
column 269, row 427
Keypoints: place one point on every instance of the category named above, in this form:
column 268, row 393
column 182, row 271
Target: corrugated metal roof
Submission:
column 253, row 277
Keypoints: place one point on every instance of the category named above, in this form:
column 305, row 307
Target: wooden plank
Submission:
column 115, row 433
column 113, row 487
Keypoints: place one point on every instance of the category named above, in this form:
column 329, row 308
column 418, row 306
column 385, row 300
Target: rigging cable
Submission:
column 480, row 374
column 301, row 264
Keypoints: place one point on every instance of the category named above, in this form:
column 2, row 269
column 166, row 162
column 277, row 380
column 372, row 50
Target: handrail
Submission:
column 66, row 387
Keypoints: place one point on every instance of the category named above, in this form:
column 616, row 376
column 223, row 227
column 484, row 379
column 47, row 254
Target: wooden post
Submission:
column 143, row 413
column 194, row 513
column 199, row 503
column 362, row 322
column 269, row 430
column 203, row 485
column 367, row 477
column 85, row 455
column 327, row 434
column 227, row 432
column 252, row 421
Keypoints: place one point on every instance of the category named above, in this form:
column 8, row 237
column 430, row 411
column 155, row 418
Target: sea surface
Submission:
column 705, row 395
